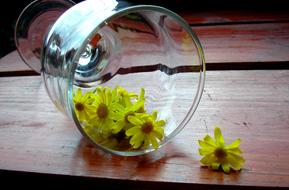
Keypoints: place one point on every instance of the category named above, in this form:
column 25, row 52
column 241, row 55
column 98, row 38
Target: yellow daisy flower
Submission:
column 83, row 105
column 106, row 110
column 146, row 130
column 217, row 154
column 128, row 109
column 125, row 96
column 124, row 113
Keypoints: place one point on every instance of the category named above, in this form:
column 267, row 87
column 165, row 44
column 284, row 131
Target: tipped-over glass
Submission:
column 129, row 76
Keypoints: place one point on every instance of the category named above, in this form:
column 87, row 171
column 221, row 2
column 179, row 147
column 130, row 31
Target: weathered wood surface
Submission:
column 252, row 105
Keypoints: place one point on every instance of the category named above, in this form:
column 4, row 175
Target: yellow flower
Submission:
column 106, row 110
column 83, row 105
column 217, row 154
column 117, row 119
column 128, row 109
column 124, row 113
column 146, row 130
column 125, row 96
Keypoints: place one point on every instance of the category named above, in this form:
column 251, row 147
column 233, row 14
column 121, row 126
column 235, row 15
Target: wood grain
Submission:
column 229, row 17
column 252, row 105
column 12, row 62
column 245, row 43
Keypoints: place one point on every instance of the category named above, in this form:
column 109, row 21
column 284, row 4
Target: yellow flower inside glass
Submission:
column 83, row 105
column 117, row 118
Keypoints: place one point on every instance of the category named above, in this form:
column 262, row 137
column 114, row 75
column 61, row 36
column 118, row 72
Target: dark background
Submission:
column 10, row 10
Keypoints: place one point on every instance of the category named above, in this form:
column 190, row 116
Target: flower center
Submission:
column 220, row 153
column 79, row 106
column 102, row 111
column 147, row 127
column 121, row 93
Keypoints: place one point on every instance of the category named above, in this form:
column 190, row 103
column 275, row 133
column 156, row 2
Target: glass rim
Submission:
column 18, row 22
column 201, row 82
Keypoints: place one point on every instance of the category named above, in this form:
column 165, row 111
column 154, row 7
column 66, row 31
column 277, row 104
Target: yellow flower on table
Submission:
column 217, row 154
column 83, row 105
column 146, row 130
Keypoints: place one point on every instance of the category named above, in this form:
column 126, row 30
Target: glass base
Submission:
column 32, row 26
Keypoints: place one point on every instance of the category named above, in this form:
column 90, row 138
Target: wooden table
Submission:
column 246, row 92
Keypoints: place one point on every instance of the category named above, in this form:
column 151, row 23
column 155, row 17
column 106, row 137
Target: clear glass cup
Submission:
column 130, row 77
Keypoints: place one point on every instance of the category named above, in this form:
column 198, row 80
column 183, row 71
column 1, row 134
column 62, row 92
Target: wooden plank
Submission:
column 13, row 65
column 12, row 62
column 245, row 43
column 252, row 105
column 242, row 46
column 218, row 17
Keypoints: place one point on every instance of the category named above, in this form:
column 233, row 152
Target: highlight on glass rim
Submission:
column 130, row 76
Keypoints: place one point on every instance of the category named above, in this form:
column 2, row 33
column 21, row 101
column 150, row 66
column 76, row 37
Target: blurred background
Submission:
column 10, row 10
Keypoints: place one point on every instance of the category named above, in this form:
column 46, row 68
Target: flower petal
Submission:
column 226, row 168
column 107, row 97
column 134, row 120
column 219, row 137
column 127, row 101
column 234, row 144
column 160, row 123
column 142, row 94
column 206, row 144
column 206, row 151
column 116, row 116
column 118, row 126
column 235, row 161
column 81, row 116
column 90, row 108
column 78, row 93
column 86, row 98
column 154, row 115
column 234, row 150
column 215, row 165
column 158, row 132
column 154, row 141
column 137, row 140
column 208, row 159
column 133, row 131
column 116, row 107
column 146, row 141
column 137, row 105
column 209, row 140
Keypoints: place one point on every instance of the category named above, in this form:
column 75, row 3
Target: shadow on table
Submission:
column 149, row 166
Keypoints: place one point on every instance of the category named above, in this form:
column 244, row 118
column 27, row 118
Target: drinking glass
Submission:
column 129, row 76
